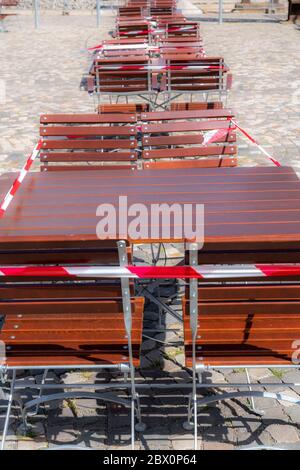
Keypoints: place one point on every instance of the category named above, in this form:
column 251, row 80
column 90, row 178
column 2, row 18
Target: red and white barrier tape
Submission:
column 141, row 32
column 18, row 181
column 120, row 47
column 246, row 134
column 215, row 135
column 161, row 272
column 158, row 68
column 141, row 46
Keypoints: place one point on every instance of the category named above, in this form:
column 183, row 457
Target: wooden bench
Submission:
column 174, row 139
column 205, row 75
column 133, row 29
column 115, row 76
column 8, row 4
column 99, row 141
column 71, row 326
column 180, row 28
column 59, row 323
column 240, row 325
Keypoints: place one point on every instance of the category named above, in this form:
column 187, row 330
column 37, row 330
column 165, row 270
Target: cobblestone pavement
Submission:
column 42, row 72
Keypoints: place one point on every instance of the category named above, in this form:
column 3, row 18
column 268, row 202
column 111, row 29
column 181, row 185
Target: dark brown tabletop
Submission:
column 245, row 208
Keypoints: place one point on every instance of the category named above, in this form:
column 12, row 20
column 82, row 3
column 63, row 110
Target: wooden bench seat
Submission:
column 174, row 139
column 241, row 325
column 99, row 141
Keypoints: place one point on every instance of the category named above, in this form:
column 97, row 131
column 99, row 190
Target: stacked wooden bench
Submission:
column 175, row 139
column 155, row 58
column 174, row 74
column 244, row 321
column 130, row 141
column 227, row 322
column 93, row 324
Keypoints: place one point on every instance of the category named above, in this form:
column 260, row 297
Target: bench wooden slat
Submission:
column 185, row 152
column 87, row 131
column 190, row 114
column 89, row 144
column 204, row 163
column 89, row 156
column 87, row 118
column 87, row 167
column 188, row 126
column 185, row 139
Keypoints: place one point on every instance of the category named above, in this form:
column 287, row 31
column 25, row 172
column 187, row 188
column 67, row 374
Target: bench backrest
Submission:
column 127, row 75
column 88, row 141
column 188, row 74
column 175, row 139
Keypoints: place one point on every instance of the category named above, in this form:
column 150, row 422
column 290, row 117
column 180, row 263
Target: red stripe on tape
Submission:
column 28, row 271
column 283, row 270
column 160, row 272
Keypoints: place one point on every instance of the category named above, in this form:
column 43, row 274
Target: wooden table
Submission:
column 251, row 214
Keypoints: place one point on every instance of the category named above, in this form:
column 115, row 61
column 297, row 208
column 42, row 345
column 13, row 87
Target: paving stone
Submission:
column 57, row 435
column 293, row 376
column 170, row 366
column 148, row 345
column 159, row 445
column 257, row 374
column 213, row 377
column 217, row 446
column 154, row 357
column 11, row 445
column 31, row 444
column 75, row 378
column 294, row 413
column 185, row 444
column 275, row 413
column 273, row 380
column 237, row 376
column 283, row 434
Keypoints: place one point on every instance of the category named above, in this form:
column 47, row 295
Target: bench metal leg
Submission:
column 229, row 395
column 44, row 377
column 135, row 403
column 253, row 408
column 193, row 404
column 10, row 402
